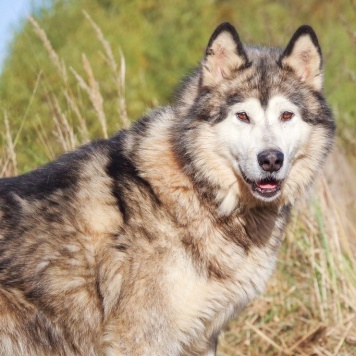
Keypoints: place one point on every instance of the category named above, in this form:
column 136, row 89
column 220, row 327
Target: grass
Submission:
column 309, row 306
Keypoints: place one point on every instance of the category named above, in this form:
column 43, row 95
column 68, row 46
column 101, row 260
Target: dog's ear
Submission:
column 224, row 56
column 303, row 56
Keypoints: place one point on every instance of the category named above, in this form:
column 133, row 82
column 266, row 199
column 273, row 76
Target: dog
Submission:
column 149, row 242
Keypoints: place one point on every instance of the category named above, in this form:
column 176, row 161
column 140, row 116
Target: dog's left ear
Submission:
column 224, row 56
column 303, row 56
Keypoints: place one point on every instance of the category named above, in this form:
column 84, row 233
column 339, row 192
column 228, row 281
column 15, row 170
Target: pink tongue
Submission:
column 267, row 185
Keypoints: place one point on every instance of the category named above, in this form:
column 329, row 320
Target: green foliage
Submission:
column 161, row 42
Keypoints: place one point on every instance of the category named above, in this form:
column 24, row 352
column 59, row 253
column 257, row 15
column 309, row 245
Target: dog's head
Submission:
column 260, row 113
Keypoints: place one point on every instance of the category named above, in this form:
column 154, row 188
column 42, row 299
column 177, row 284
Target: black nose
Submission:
column 271, row 160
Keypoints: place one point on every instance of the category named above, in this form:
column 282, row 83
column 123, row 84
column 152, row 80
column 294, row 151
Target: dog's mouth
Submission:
column 268, row 187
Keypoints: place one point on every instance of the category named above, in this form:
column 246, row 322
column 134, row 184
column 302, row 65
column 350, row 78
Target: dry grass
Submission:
column 91, row 87
column 59, row 64
column 309, row 307
column 119, row 73
column 93, row 91
column 8, row 162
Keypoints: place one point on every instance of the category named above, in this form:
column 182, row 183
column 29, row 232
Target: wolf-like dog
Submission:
column 148, row 242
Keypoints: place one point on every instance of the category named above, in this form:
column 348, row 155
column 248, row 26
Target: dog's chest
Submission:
column 203, row 302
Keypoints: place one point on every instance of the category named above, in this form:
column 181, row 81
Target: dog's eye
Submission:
column 287, row 116
column 243, row 117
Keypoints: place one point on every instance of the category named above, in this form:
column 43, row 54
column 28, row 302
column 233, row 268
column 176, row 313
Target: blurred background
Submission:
column 77, row 70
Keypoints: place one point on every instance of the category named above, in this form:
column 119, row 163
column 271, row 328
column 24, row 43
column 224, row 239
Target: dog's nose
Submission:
column 270, row 160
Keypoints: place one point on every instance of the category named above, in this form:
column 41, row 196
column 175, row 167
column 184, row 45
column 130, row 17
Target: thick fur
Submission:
column 147, row 243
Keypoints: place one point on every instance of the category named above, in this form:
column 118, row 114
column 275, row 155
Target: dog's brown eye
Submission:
column 243, row 117
column 287, row 116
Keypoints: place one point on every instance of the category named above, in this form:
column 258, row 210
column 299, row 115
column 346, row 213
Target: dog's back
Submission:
column 50, row 226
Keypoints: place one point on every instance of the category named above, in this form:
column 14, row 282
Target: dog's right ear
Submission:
column 224, row 56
